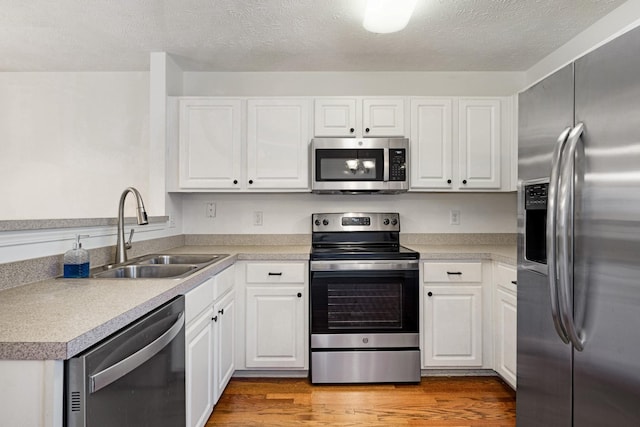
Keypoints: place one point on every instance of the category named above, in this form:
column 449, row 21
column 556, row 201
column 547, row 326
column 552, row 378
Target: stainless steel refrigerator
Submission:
column 579, row 242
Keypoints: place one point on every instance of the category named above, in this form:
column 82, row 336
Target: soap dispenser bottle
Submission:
column 76, row 260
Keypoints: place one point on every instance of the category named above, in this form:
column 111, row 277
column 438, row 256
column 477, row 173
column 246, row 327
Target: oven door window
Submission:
column 349, row 165
column 348, row 302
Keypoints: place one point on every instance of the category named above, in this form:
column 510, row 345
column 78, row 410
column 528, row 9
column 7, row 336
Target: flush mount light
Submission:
column 387, row 16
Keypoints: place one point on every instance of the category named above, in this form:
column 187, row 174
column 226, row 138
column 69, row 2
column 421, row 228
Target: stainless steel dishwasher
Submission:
column 136, row 377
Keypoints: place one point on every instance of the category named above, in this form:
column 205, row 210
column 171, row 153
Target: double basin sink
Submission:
column 157, row 266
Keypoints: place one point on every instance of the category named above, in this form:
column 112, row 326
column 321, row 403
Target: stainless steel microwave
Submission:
column 352, row 165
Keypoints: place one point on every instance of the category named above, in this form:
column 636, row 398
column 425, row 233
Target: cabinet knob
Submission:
column 235, row 181
column 352, row 130
column 367, row 130
column 214, row 318
column 250, row 181
column 221, row 311
column 299, row 295
column 448, row 181
column 429, row 294
column 464, row 181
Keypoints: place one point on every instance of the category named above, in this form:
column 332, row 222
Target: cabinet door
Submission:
column 506, row 336
column 209, row 143
column 224, row 343
column 479, row 143
column 199, row 369
column 277, row 144
column 431, row 144
column 452, row 326
column 275, row 327
column 383, row 117
column 335, row 117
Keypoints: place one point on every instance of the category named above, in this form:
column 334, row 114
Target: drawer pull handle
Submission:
column 214, row 318
column 455, row 273
column 275, row 274
column 515, row 282
column 221, row 311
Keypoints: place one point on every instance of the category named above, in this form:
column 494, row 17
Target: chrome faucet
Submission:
column 122, row 246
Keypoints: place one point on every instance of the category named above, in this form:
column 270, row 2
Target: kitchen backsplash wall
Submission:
column 291, row 213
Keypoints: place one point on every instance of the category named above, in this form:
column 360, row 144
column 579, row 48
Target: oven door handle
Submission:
column 359, row 265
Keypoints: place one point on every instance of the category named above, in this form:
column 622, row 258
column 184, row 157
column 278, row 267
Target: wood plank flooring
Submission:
column 436, row 401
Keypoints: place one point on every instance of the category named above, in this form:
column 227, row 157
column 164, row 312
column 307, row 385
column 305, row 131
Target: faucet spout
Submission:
column 141, row 214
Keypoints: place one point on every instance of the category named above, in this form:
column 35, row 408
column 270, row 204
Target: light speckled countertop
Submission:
column 59, row 318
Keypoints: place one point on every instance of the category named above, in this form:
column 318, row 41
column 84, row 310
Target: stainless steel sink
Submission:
column 179, row 259
column 138, row 271
column 157, row 266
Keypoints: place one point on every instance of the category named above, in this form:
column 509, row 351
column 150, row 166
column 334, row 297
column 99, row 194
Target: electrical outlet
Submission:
column 454, row 217
column 172, row 221
column 257, row 218
column 211, row 210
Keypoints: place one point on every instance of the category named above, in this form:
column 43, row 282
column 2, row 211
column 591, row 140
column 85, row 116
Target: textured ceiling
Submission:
column 286, row 35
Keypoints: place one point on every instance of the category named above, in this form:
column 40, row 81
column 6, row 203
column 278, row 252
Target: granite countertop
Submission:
column 59, row 318
column 501, row 253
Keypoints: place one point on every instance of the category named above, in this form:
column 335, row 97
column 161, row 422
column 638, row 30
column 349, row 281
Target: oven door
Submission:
column 364, row 297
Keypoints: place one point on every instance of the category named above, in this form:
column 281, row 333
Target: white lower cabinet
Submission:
column 199, row 369
column 506, row 323
column 275, row 333
column 452, row 326
column 452, row 315
column 210, row 346
column 275, row 316
column 224, row 342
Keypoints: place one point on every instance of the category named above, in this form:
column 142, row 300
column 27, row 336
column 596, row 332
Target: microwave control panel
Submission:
column 397, row 164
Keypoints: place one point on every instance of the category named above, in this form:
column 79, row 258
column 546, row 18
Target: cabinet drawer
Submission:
column 199, row 298
column 505, row 276
column 452, row 272
column 223, row 282
column 276, row 272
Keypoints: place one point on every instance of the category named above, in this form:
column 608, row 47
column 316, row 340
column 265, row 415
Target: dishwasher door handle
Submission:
column 120, row 369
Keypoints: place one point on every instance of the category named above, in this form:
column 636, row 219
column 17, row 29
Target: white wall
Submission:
column 352, row 83
column 72, row 142
column 615, row 23
column 291, row 213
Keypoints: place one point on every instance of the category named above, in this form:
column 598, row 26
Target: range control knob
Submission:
column 317, row 222
column 386, row 221
column 325, row 222
column 394, row 222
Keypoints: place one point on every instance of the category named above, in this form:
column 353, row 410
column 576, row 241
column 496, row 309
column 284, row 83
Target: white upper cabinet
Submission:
column 479, row 142
column 335, row 117
column 383, row 117
column 358, row 117
column 209, row 143
column 462, row 144
column 228, row 144
column 278, row 135
column 431, row 143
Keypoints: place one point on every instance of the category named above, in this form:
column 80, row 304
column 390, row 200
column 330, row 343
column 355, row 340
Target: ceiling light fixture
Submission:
column 387, row 16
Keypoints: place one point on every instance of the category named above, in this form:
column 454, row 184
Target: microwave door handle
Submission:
column 552, row 233
column 385, row 174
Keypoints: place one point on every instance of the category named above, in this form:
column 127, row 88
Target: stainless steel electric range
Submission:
column 364, row 300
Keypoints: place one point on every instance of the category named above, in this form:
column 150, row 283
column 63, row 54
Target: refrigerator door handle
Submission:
column 566, row 237
column 551, row 237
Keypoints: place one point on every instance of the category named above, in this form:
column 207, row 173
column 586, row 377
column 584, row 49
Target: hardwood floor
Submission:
column 436, row 401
